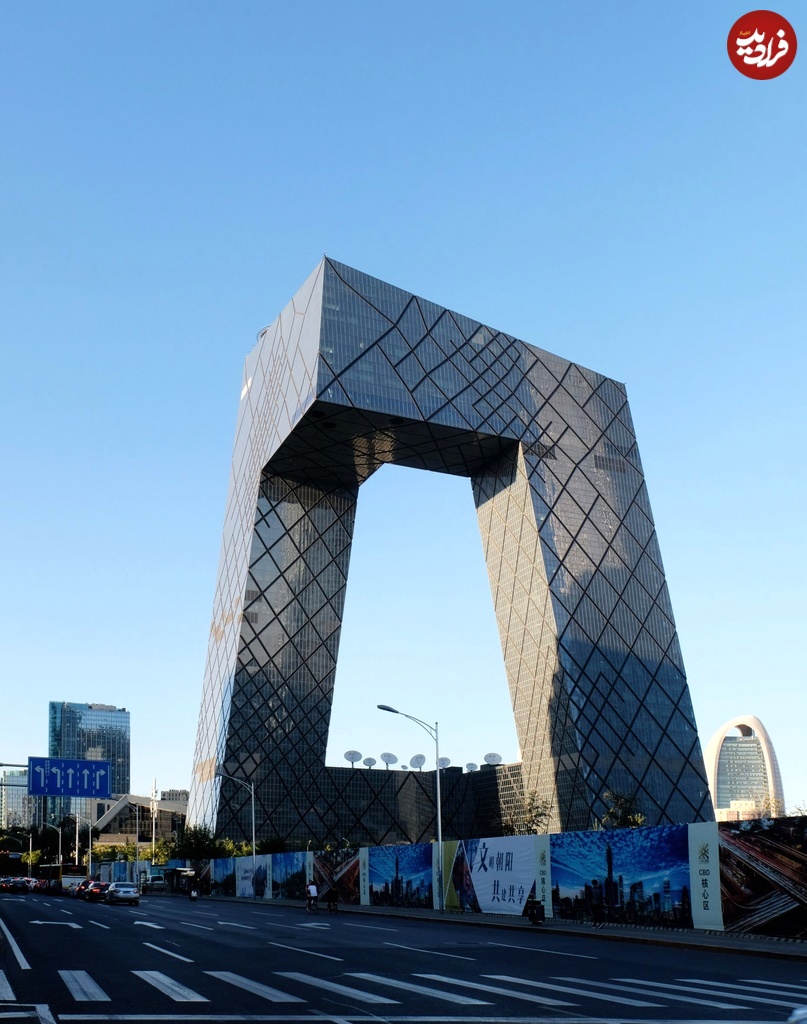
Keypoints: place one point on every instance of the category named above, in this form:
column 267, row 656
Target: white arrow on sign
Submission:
column 148, row 924
column 69, row 924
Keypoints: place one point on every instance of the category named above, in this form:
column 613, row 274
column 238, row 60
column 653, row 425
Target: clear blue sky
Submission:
column 594, row 178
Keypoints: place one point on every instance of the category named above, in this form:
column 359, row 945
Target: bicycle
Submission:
column 312, row 905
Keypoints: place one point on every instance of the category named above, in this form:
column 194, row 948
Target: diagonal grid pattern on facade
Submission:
column 356, row 374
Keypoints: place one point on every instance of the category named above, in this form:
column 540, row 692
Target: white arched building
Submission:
column 743, row 773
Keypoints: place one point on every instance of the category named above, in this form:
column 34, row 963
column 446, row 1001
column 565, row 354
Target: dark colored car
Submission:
column 15, row 885
column 80, row 889
column 96, row 891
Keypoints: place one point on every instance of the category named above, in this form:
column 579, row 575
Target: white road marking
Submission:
column 179, row 993
column 778, row 984
column 150, row 924
column 204, row 927
column 430, row 952
column 636, row 989
column 233, row 924
column 576, row 991
column 538, row 949
column 45, row 1017
column 449, row 997
column 21, row 961
column 741, row 995
column 371, row 927
column 544, row 1000
column 168, row 952
column 82, row 987
column 274, row 995
column 309, row 951
column 342, row 990
column 99, row 925
column 6, row 991
column 64, row 924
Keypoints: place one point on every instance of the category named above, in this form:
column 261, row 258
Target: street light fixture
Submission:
column 251, row 787
column 434, row 732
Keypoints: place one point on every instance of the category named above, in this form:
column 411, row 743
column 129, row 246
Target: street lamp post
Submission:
column 58, row 829
column 434, row 732
column 251, row 787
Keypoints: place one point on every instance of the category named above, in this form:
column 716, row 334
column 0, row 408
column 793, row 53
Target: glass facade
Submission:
column 356, row 373
column 743, row 771
column 17, row 809
column 92, row 732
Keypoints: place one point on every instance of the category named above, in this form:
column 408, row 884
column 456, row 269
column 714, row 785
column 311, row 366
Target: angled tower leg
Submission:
column 528, row 632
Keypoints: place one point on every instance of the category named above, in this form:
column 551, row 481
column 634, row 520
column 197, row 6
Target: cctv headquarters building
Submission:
column 355, row 374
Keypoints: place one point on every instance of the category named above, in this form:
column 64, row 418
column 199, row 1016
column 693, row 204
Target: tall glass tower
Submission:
column 355, row 374
column 93, row 732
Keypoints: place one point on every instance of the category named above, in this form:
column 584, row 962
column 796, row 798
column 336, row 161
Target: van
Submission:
column 156, row 883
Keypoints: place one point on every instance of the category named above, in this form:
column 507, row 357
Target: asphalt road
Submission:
column 173, row 960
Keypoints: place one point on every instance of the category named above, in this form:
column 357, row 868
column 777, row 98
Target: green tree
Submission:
column 623, row 811
column 197, row 842
column 31, row 860
column 528, row 816
column 164, row 850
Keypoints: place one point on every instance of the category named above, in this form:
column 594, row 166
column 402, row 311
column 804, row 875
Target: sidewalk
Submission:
column 714, row 942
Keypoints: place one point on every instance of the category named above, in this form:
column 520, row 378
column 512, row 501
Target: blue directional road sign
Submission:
column 58, row 776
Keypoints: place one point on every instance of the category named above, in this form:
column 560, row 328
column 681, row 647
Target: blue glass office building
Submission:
column 93, row 732
column 355, row 374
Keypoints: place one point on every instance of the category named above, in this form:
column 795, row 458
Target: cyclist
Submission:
column 312, row 895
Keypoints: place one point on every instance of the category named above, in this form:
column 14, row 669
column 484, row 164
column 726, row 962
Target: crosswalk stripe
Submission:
column 331, row 986
column 449, row 997
column 743, row 994
column 700, row 1001
column 82, row 987
column 713, row 991
column 543, row 1000
column 255, row 987
column 6, row 991
column 623, row 1000
column 778, row 984
column 179, row 993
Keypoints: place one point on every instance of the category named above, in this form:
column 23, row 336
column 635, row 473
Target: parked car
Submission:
column 15, row 885
column 123, row 892
column 96, row 891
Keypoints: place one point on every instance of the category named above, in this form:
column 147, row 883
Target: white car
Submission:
column 123, row 892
